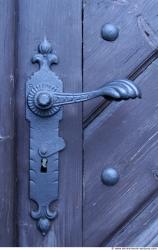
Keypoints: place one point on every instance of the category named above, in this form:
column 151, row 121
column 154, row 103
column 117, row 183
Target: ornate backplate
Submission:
column 45, row 142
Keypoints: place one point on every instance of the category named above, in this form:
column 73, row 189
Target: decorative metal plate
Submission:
column 45, row 142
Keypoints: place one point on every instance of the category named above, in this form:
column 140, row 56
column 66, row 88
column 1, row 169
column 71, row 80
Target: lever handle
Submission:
column 116, row 90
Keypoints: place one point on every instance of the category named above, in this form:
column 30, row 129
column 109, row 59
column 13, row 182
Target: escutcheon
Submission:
column 45, row 142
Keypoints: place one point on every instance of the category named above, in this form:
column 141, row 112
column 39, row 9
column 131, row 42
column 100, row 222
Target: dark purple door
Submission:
column 98, row 134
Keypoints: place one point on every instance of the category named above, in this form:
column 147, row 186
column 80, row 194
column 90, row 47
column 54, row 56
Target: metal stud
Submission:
column 110, row 176
column 109, row 32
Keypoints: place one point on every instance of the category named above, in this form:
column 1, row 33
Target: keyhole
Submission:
column 44, row 165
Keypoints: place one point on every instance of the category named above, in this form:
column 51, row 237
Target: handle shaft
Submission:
column 116, row 90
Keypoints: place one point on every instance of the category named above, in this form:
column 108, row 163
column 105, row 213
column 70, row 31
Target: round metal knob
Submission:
column 44, row 100
column 109, row 32
column 110, row 176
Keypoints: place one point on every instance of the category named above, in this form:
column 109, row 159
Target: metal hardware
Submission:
column 110, row 176
column 45, row 143
column 109, row 32
column 45, row 97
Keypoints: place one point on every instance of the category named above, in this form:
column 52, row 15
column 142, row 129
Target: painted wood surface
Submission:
column 105, row 61
column 142, row 229
column 61, row 22
column 124, row 136
column 120, row 135
column 8, row 168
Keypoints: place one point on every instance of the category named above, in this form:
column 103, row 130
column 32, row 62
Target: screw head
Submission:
column 110, row 176
column 109, row 32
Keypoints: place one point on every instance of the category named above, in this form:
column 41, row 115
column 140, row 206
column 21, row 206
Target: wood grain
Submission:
column 141, row 230
column 105, row 61
column 7, row 169
column 125, row 137
column 61, row 22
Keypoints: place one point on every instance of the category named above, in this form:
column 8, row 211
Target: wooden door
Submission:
column 98, row 134
column 121, row 135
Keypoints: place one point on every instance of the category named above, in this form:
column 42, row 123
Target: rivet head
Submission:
column 110, row 176
column 43, row 150
column 109, row 32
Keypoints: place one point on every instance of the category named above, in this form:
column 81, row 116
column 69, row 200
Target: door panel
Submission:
column 125, row 137
column 61, row 22
column 142, row 230
column 7, row 169
column 105, row 61
column 120, row 135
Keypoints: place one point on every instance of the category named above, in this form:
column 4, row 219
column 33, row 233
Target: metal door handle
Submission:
column 116, row 90
column 44, row 97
